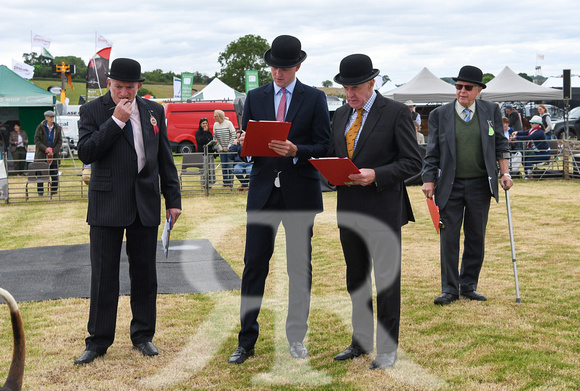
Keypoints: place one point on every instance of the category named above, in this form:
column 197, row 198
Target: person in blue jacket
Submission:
column 537, row 142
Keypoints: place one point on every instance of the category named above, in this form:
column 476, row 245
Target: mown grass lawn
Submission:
column 494, row 345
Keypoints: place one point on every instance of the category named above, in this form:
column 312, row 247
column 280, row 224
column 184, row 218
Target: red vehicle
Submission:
column 183, row 121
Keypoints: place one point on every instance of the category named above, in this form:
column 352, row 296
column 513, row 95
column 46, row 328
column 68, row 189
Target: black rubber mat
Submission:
column 45, row 273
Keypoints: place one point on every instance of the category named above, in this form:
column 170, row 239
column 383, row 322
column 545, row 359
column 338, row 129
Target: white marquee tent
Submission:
column 509, row 86
column 425, row 88
column 217, row 90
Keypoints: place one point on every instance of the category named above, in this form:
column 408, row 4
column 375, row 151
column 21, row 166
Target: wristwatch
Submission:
column 505, row 174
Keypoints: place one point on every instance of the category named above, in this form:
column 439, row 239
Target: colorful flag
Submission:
column 23, row 70
column 176, row 87
column 39, row 41
column 97, row 70
column 103, row 42
column 540, row 56
column 46, row 53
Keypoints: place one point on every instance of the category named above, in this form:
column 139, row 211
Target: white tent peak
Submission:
column 216, row 90
column 424, row 87
column 509, row 86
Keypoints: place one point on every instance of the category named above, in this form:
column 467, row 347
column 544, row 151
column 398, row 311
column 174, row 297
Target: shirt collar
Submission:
column 289, row 89
column 459, row 107
column 369, row 103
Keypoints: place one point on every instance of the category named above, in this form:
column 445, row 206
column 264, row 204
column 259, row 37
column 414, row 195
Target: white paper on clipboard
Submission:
column 165, row 236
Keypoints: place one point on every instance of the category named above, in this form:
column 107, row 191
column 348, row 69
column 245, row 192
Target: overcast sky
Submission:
column 401, row 37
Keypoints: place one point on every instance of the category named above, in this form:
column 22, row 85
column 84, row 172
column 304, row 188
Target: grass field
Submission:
column 492, row 345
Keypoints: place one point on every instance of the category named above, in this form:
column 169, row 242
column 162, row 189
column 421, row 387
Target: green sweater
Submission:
column 470, row 163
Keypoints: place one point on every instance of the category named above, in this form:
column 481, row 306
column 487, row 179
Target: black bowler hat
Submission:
column 356, row 69
column 471, row 74
column 285, row 52
column 125, row 69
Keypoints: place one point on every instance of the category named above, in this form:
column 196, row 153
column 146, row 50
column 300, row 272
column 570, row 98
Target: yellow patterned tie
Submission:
column 353, row 131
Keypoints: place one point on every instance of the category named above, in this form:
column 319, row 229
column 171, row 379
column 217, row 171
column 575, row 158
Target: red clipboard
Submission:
column 434, row 212
column 335, row 169
column 260, row 133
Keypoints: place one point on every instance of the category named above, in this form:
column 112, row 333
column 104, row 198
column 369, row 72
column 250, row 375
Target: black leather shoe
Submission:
column 87, row 357
column 298, row 350
column 446, row 298
column 240, row 355
column 473, row 295
column 349, row 353
column 147, row 349
column 384, row 360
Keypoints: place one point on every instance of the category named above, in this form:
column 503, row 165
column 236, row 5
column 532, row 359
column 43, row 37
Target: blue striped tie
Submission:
column 467, row 115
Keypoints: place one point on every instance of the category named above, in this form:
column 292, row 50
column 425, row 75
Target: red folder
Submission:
column 260, row 133
column 434, row 211
column 335, row 169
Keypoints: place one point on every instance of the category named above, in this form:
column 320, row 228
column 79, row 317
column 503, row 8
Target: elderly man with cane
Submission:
column 465, row 144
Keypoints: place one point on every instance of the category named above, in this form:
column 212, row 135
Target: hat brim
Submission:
column 482, row 85
column 281, row 63
column 353, row 81
column 122, row 78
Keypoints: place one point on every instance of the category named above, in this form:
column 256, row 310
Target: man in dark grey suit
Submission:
column 283, row 189
column 460, row 170
column 378, row 135
column 124, row 138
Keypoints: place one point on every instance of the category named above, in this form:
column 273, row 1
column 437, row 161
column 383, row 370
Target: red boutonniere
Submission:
column 154, row 123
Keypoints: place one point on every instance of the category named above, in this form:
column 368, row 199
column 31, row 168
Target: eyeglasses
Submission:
column 203, row 119
column 467, row 87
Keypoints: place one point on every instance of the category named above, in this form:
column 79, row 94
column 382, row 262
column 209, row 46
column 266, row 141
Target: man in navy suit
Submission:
column 124, row 139
column 378, row 135
column 283, row 189
column 466, row 143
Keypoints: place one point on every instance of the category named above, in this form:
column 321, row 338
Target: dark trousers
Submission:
column 261, row 232
column 468, row 205
column 53, row 172
column 381, row 250
column 105, row 251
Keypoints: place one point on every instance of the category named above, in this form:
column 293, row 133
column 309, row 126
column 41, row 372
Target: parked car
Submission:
column 573, row 125
column 183, row 121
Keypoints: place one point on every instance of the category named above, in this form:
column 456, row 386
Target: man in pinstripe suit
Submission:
column 124, row 138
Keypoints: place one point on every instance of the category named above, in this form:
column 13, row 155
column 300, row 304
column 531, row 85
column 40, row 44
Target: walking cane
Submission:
column 509, row 213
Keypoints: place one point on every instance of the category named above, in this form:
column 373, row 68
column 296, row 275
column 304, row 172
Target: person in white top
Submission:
column 225, row 134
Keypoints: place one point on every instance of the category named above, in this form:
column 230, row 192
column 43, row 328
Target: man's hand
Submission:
column 242, row 138
column 123, row 110
column 366, row 177
column 283, row 148
column 506, row 182
column 428, row 189
column 174, row 213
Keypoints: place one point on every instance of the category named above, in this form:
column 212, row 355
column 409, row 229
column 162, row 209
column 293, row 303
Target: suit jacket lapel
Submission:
column 146, row 127
column 483, row 116
column 369, row 125
column 268, row 102
column 340, row 120
column 296, row 101
column 449, row 119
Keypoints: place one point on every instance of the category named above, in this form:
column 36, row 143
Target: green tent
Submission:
column 22, row 100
